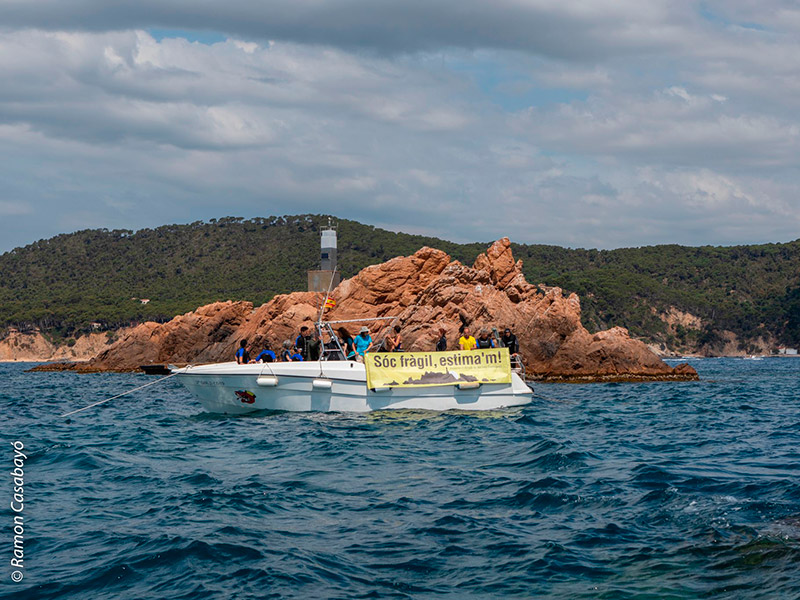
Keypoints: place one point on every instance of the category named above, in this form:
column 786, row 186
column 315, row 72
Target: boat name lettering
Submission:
column 210, row 382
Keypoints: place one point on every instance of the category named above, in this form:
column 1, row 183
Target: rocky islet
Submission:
column 424, row 292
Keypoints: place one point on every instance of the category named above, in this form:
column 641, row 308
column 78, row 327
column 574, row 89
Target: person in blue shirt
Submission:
column 266, row 355
column 362, row 343
column 242, row 355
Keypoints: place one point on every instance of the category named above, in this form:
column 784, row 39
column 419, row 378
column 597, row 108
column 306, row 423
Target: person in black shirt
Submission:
column 509, row 340
column 441, row 344
column 301, row 342
column 484, row 341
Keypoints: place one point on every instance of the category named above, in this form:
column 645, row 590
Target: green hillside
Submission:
column 67, row 282
column 753, row 291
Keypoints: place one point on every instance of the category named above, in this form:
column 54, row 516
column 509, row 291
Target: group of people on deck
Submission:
column 308, row 345
column 467, row 342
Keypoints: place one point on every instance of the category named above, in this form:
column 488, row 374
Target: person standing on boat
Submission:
column 242, row 355
column 394, row 343
column 347, row 340
column 509, row 340
column 303, row 341
column 362, row 343
column 466, row 341
column 266, row 355
column 313, row 347
column 441, row 344
column 484, row 341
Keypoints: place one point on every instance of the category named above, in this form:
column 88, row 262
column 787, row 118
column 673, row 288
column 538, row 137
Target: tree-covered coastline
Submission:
column 97, row 279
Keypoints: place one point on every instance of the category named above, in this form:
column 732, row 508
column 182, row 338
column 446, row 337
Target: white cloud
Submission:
column 671, row 127
column 580, row 123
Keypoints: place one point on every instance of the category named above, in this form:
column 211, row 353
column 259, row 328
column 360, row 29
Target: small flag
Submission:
column 330, row 303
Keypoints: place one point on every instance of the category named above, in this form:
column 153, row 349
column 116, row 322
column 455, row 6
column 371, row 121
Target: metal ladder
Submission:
column 332, row 353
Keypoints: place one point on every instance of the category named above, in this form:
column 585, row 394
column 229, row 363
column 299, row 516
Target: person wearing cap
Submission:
column 509, row 340
column 484, row 341
column 466, row 341
column 362, row 343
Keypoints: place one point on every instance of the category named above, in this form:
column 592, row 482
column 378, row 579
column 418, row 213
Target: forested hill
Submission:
column 95, row 275
column 65, row 283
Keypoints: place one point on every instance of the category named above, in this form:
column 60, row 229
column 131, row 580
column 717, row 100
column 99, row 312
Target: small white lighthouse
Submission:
column 320, row 280
column 328, row 249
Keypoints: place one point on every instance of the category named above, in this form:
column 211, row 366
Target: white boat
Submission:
column 334, row 385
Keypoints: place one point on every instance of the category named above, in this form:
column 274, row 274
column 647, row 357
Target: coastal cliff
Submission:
column 424, row 291
column 19, row 346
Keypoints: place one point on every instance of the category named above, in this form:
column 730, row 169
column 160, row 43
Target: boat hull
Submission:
column 334, row 386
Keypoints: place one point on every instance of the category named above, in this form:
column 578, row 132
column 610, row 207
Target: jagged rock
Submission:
column 498, row 261
column 423, row 292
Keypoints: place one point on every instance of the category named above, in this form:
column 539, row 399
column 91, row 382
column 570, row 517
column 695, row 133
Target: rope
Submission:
column 119, row 395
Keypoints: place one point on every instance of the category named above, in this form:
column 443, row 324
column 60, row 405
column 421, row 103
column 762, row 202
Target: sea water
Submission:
column 656, row 490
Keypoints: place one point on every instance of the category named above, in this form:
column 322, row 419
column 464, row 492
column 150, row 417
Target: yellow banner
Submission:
column 425, row 369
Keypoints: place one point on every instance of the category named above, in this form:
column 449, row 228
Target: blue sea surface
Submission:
column 651, row 490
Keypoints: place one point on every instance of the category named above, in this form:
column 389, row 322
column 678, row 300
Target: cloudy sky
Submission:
column 587, row 123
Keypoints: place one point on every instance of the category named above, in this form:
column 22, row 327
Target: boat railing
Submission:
column 333, row 350
column 517, row 366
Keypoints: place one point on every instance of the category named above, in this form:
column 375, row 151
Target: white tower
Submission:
column 328, row 249
column 327, row 276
